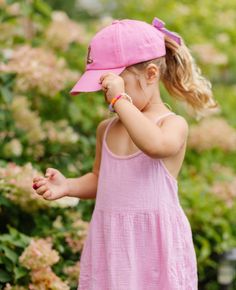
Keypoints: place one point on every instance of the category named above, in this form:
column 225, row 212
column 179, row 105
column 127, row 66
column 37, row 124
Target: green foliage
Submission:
column 213, row 226
column 11, row 246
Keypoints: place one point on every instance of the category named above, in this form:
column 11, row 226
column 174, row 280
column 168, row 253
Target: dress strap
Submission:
column 164, row 115
column 107, row 128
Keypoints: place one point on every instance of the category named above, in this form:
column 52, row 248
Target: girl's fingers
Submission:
column 40, row 183
column 102, row 78
column 37, row 178
column 41, row 190
column 47, row 194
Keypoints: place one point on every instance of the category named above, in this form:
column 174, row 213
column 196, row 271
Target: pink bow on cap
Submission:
column 159, row 24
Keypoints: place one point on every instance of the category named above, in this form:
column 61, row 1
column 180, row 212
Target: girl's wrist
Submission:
column 67, row 186
column 116, row 98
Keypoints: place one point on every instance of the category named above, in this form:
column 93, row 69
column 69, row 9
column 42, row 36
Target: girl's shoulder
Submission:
column 102, row 125
column 174, row 119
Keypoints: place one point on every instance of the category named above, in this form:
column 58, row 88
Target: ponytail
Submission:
column 183, row 79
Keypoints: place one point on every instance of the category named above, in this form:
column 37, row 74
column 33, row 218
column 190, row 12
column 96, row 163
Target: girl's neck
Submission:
column 156, row 106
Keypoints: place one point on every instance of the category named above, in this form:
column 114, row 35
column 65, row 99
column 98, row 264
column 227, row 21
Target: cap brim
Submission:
column 89, row 81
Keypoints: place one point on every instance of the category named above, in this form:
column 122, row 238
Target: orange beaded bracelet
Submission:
column 111, row 108
column 111, row 105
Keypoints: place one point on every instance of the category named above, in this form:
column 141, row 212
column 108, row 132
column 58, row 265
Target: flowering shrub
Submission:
column 75, row 238
column 62, row 31
column 224, row 185
column 45, row 279
column 208, row 54
column 9, row 287
column 20, row 181
column 38, row 257
column 37, row 69
column 39, row 254
column 72, row 273
column 205, row 135
column 26, row 120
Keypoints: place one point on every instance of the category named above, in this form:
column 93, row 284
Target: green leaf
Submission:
column 4, row 201
column 8, row 265
column 11, row 255
column 42, row 8
column 6, row 94
column 20, row 239
column 19, row 272
column 4, row 276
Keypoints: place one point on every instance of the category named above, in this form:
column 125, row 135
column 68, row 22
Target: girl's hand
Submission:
column 112, row 85
column 51, row 187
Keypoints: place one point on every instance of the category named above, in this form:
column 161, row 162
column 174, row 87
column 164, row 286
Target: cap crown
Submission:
column 123, row 43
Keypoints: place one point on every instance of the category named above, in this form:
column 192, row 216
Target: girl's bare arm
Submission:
column 155, row 141
column 85, row 187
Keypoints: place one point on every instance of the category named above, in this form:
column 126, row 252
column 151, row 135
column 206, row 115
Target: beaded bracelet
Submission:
column 111, row 105
column 111, row 108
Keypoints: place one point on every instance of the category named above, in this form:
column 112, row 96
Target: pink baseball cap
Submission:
column 122, row 43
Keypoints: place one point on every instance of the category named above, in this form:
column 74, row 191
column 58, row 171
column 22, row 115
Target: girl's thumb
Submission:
column 50, row 172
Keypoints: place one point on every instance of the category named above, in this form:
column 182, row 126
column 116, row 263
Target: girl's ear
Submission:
column 152, row 73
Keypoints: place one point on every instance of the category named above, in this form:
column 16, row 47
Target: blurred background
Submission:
column 43, row 47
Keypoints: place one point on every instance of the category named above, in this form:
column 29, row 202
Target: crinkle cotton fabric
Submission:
column 139, row 237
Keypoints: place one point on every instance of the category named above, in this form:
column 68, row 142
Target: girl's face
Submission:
column 141, row 95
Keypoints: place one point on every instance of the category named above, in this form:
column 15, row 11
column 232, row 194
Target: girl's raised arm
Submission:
column 154, row 141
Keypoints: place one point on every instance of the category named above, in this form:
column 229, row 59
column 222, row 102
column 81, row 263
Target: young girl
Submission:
column 139, row 236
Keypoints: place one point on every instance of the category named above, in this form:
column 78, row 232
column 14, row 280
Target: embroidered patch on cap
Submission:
column 89, row 59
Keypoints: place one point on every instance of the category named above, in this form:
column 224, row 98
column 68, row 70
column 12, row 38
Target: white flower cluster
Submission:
column 34, row 130
column 62, row 31
column 38, row 69
column 208, row 54
column 27, row 120
column 224, row 185
column 213, row 132
column 21, row 193
column 60, row 132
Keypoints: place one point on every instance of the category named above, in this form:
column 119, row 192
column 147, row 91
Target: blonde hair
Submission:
column 183, row 79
